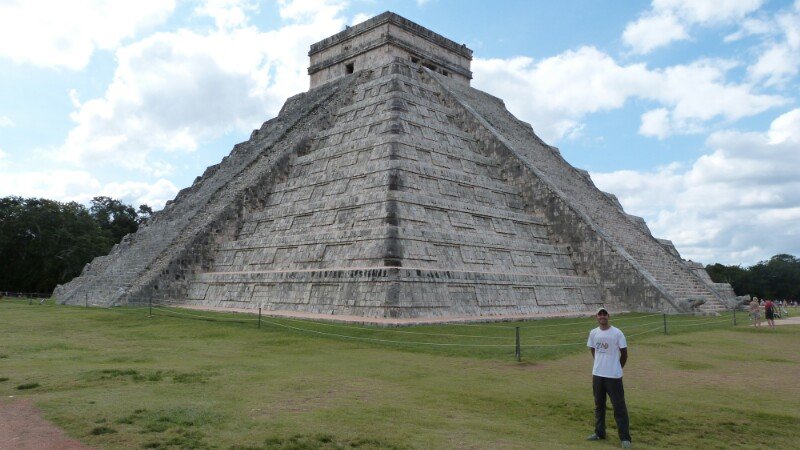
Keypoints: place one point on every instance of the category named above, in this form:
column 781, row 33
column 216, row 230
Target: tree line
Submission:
column 44, row 243
column 777, row 278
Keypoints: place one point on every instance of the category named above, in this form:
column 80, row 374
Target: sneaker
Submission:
column 594, row 437
column 626, row 444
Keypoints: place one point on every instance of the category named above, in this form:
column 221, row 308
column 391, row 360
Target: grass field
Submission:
column 118, row 379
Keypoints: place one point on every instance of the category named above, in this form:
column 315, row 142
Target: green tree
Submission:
column 44, row 243
column 776, row 278
column 114, row 217
column 144, row 214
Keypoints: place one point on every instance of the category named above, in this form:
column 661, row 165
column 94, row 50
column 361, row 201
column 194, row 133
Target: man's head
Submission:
column 602, row 317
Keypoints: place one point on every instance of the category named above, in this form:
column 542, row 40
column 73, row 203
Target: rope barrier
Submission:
column 200, row 316
column 624, row 320
column 362, row 338
column 169, row 311
column 439, row 344
column 385, row 330
column 511, row 325
column 644, row 332
column 389, row 330
column 684, row 325
column 704, row 320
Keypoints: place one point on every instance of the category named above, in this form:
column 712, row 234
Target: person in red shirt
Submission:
column 769, row 313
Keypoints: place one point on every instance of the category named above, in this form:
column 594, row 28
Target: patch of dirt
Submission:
column 795, row 320
column 23, row 428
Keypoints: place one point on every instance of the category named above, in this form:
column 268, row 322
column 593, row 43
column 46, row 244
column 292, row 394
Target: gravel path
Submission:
column 23, row 428
column 787, row 321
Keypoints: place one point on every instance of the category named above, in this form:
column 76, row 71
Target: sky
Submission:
column 686, row 110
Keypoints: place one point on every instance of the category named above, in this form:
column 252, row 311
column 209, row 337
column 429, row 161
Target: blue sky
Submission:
column 687, row 110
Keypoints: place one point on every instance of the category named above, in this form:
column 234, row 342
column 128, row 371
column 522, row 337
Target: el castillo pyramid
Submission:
column 392, row 189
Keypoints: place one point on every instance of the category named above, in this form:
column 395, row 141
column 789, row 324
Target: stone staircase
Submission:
column 574, row 186
column 146, row 256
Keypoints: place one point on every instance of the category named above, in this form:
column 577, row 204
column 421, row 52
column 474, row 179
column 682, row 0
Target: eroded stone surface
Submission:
column 396, row 192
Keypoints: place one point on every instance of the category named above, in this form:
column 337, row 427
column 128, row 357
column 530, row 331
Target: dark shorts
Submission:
column 769, row 315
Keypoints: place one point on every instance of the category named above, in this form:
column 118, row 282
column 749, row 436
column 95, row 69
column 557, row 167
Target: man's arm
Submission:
column 623, row 356
column 591, row 349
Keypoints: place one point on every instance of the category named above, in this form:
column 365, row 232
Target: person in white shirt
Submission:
column 610, row 353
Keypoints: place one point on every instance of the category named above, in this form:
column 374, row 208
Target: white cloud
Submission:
column 779, row 54
column 699, row 92
column 776, row 64
column 81, row 186
column 785, row 128
column 749, row 27
column 358, row 18
column 227, row 13
column 73, row 98
column 65, row 33
column 63, row 185
column 707, row 11
column 174, row 91
column 668, row 20
column 656, row 123
column 139, row 193
column 6, row 122
column 741, row 202
column 651, row 32
column 311, row 10
column 555, row 93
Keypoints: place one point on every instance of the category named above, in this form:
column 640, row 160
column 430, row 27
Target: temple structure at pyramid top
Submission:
column 378, row 41
column 392, row 190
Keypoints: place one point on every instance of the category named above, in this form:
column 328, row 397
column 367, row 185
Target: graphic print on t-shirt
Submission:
column 607, row 345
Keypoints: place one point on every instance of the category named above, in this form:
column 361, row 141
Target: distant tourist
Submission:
column 769, row 313
column 610, row 353
column 755, row 312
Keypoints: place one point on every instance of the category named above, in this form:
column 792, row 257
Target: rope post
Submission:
column 259, row 317
column 518, row 352
column 86, row 300
column 29, row 299
column 150, row 307
column 665, row 322
column 734, row 316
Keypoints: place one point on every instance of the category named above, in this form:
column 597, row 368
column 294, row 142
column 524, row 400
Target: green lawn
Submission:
column 118, row 379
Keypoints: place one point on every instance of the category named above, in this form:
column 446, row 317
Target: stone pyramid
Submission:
column 392, row 189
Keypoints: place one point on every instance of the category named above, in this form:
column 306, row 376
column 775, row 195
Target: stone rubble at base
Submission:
column 396, row 191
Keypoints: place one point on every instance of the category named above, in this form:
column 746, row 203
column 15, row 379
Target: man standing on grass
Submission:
column 610, row 352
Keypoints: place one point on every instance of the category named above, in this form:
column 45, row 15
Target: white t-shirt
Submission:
column 607, row 345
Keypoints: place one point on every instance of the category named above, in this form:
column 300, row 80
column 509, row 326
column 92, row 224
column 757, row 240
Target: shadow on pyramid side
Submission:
column 396, row 191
